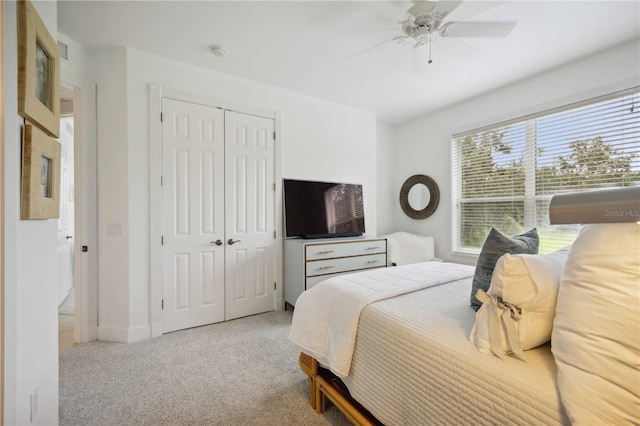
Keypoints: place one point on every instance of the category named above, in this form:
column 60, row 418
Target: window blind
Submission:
column 505, row 175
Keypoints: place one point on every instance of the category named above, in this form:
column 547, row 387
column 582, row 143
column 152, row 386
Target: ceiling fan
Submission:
column 428, row 17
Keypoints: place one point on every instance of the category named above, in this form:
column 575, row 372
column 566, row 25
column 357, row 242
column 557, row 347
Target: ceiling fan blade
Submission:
column 376, row 46
column 446, row 7
column 477, row 29
column 422, row 7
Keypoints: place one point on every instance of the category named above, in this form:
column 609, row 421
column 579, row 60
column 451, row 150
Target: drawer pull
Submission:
column 373, row 248
column 325, row 252
column 326, row 267
column 373, row 261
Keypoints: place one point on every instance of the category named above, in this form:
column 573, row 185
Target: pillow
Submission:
column 596, row 331
column 404, row 248
column 495, row 246
column 524, row 288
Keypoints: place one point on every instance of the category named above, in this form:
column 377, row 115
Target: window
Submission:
column 344, row 208
column 505, row 175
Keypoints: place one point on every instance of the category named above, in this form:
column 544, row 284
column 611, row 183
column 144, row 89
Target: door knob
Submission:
column 216, row 242
column 231, row 241
column 69, row 237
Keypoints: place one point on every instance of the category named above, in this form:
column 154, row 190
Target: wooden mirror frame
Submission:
column 32, row 33
column 434, row 199
column 36, row 146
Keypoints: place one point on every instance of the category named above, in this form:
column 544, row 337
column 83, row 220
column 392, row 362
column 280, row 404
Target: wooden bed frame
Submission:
column 324, row 384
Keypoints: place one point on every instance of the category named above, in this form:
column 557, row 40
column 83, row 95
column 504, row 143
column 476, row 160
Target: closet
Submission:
column 218, row 214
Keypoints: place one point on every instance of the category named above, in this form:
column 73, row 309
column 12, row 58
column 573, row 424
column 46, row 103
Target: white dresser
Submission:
column 308, row 262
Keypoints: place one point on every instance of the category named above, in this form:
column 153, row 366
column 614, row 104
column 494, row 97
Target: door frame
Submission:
column 2, row 114
column 156, row 93
column 85, row 212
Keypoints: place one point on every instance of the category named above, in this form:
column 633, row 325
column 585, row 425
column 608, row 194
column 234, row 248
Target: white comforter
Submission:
column 325, row 319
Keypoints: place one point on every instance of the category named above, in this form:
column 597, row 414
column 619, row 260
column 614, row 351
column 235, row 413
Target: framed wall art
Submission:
column 40, row 175
column 38, row 71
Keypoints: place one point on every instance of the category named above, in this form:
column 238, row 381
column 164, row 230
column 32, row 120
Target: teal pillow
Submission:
column 493, row 248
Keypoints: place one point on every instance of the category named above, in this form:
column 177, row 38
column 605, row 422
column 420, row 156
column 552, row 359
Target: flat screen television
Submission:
column 322, row 209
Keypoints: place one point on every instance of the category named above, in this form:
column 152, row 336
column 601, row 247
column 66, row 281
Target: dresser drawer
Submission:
column 344, row 264
column 342, row 249
column 313, row 281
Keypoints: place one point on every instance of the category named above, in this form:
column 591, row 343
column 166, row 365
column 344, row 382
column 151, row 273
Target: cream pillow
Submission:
column 518, row 309
column 495, row 246
column 596, row 332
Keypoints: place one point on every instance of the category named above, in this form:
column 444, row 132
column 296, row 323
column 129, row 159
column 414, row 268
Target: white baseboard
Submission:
column 137, row 334
column 279, row 304
column 113, row 334
column 124, row 334
column 92, row 334
column 156, row 329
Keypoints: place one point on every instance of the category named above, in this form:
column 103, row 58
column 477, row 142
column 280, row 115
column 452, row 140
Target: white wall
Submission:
column 320, row 140
column 423, row 145
column 31, row 271
column 388, row 191
column 73, row 70
column 113, row 196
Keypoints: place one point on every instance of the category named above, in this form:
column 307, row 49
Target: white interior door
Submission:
column 66, row 220
column 249, row 205
column 192, row 215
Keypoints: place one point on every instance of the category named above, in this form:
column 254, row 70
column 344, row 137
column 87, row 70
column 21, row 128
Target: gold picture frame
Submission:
column 40, row 175
column 38, row 71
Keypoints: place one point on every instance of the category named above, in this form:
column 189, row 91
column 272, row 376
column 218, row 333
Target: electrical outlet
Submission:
column 114, row 229
column 34, row 404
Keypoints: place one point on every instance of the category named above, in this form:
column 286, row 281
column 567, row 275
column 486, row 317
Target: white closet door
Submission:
column 250, row 224
column 192, row 215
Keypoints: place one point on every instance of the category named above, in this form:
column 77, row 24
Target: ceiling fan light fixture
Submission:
column 423, row 34
column 218, row 50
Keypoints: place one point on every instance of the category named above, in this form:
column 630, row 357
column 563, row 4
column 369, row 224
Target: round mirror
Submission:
column 419, row 196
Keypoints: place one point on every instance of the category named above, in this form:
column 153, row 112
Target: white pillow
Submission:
column 596, row 332
column 518, row 309
column 404, row 248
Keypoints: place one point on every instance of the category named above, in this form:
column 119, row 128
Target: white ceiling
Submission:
column 341, row 51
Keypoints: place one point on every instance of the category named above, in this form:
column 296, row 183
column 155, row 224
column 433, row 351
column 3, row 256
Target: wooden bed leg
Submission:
column 321, row 399
column 309, row 366
column 312, row 384
column 323, row 388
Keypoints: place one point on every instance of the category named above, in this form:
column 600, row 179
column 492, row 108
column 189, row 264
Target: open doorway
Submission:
column 66, row 225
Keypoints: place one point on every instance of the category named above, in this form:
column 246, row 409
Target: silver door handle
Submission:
column 231, row 241
column 216, row 242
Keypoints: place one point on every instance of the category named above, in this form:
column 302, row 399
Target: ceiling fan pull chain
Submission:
column 430, row 61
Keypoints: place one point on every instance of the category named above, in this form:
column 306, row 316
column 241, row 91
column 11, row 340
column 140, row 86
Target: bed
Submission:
column 412, row 362
column 402, row 345
column 555, row 339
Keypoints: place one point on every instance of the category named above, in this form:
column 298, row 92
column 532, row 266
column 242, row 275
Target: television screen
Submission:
column 322, row 209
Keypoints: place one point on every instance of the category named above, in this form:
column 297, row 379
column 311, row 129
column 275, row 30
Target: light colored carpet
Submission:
column 241, row 372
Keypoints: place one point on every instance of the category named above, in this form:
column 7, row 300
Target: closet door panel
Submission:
column 250, row 196
column 192, row 215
